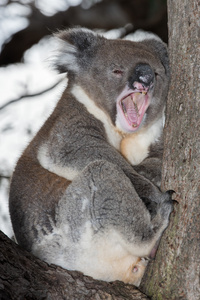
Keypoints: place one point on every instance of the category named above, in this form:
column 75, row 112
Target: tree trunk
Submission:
column 175, row 273
column 25, row 277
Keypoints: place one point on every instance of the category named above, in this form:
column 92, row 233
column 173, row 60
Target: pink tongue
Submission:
column 131, row 110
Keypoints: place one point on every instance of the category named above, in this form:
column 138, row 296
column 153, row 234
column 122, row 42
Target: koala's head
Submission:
column 128, row 79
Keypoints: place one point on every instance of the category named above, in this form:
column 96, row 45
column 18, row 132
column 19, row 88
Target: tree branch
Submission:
column 4, row 176
column 23, row 276
column 31, row 95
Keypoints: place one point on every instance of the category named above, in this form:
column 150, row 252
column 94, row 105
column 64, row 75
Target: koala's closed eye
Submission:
column 118, row 73
column 117, row 70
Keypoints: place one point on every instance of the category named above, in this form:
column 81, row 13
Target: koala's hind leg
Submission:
column 102, row 226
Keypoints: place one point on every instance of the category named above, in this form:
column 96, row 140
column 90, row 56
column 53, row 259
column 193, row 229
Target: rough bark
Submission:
column 25, row 277
column 175, row 273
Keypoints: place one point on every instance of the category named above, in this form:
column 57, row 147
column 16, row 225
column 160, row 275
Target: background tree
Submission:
column 176, row 272
column 151, row 15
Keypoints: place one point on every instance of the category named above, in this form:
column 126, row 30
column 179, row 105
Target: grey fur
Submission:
column 72, row 192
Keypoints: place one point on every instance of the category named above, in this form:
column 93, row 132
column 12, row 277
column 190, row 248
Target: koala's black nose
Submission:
column 143, row 74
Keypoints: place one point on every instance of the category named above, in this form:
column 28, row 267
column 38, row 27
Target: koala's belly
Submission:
column 100, row 257
column 107, row 266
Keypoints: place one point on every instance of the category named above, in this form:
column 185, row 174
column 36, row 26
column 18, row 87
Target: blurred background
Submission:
column 29, row 88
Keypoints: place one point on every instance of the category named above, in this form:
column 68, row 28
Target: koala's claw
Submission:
column 170, row 192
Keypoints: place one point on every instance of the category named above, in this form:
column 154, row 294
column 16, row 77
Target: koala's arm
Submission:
column 68, row 156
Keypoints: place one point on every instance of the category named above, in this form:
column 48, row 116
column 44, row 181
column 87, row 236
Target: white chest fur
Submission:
column 134, row 147
column 113, row 135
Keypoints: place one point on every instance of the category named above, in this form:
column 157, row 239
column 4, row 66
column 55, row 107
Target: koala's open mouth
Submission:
column 131, row 108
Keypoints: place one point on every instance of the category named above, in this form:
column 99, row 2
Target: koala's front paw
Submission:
column 151, row 206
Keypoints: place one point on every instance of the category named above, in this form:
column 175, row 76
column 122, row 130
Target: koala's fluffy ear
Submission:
column 153, row 42
column 75, row 46
column 161, row 50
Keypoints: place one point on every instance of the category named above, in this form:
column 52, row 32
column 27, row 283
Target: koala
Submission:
column 85, row 193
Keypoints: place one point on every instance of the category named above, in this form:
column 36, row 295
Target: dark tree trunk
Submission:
column 175, row 273
column 25, row 277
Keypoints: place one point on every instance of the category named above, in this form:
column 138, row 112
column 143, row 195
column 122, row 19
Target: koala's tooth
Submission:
column 140, row 93
column 136, row 108
column 137, row 94
column 124, row 108
column 134, row 125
